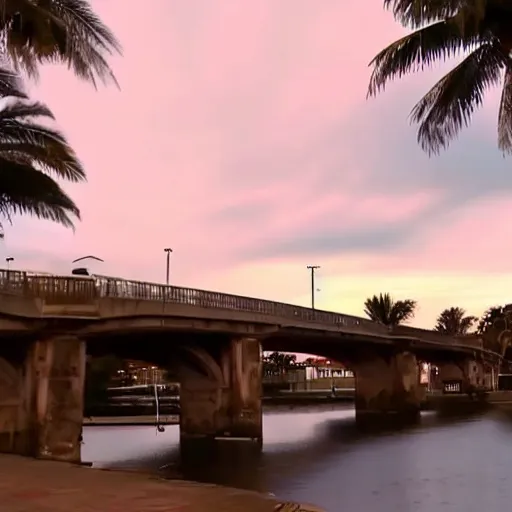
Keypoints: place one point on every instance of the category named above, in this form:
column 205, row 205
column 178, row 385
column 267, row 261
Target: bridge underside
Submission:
column 42, row 388
column 42, row 381
column 212, row 340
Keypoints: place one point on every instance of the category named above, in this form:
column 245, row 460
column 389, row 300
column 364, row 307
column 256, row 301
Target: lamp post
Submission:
column 8, row 260
column 88, row 257
column 312, row 268
column 84, row 271
column 168, row 250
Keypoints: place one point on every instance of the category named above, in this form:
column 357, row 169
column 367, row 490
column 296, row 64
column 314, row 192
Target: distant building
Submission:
column 140, row 373
column 321, row 368
column 425, row 373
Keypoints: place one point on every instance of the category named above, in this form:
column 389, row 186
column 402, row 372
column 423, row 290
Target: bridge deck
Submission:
column 102, row 297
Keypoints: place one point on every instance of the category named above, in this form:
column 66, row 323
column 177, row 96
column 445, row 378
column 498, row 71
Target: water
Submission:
column 317, row 455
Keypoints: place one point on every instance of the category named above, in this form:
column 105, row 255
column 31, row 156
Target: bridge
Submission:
column 212, row 341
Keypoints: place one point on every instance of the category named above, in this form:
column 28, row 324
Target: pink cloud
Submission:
column 239, row 125
column 209, row 89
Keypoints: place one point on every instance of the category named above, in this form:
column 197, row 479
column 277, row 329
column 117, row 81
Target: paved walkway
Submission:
column 28, row 485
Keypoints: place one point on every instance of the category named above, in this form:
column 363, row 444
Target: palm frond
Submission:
column 448, row 106
column 89, row 40
column 25, row 190
column 417, row 13
column 377, row 308
column 10, row 84
column 24, row 141
column 85, row 22
column 505, row 114
column 65, row 31
column 466, row 323
column 416, row 51
column 288, row 506
column 453, row 321
column 385, row 310
column 491, row 317
column 91, row 65
column 15, row 110
column 402, row 311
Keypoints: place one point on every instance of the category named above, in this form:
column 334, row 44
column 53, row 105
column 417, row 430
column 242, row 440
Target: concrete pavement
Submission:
column 28, row 485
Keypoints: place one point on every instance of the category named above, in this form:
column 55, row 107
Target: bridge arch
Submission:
column 185, row 356
column 198, row 360
column 10, row 381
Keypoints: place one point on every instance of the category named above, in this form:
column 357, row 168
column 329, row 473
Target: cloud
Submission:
column 242, row 138
column 346, row 224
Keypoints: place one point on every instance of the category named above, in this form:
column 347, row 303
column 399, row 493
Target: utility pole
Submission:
column 168, row 250
column 313, row 268
column 8, row 260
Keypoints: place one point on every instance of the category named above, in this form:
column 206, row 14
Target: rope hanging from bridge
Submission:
column 159, row 427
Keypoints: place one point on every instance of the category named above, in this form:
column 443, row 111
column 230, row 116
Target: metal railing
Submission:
column 79, row 290
column 65, row 289
column 54, row 289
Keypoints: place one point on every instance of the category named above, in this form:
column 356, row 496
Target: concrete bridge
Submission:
column 211, row 340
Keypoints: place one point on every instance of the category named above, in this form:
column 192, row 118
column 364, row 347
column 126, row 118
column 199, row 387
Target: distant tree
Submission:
column 278, row 363
column 495, row 327
column 454, row 321
column 385, row 310
column 100, row 375
column 493, row 317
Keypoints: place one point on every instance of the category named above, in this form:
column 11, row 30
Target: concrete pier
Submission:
column 388, row 386
column 227, row 403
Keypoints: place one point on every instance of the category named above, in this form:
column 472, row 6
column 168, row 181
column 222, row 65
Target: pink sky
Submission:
column 242, row 138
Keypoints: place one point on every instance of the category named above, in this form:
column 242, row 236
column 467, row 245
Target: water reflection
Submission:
column 453, row 463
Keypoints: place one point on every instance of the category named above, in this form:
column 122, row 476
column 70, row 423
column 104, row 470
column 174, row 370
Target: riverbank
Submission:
column 490, row 399
column 28, row 485
column 316, row 396
column 323, row 399
column 129, row 421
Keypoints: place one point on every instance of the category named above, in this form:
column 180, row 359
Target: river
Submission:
column 317, row 455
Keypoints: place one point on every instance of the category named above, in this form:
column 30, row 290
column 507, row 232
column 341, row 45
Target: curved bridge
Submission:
column 56, row 319
column 110, row 304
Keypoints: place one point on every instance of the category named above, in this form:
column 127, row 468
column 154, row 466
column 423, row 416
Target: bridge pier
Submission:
column 465, row 376
column 41, row 399
column 226, row 405
column 387, row 387
column 57, row 370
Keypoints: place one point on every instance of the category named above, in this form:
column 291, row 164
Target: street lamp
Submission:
column 8, row 260
column 88, row 257
column 312, row 268
column 83, row 271
column 168, row 250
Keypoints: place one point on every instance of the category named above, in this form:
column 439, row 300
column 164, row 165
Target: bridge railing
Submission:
column 54, row 289
column 77, row 290
column 61, row 289
column 120, row 288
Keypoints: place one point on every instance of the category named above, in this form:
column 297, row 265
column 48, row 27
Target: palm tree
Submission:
column 477, row 29
column 495, row 327
column 66, row 31
column 385, row 310
column 31, row 155
column 33, row 33
column 453, row 321
column 493, row 318
column 278, row 362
